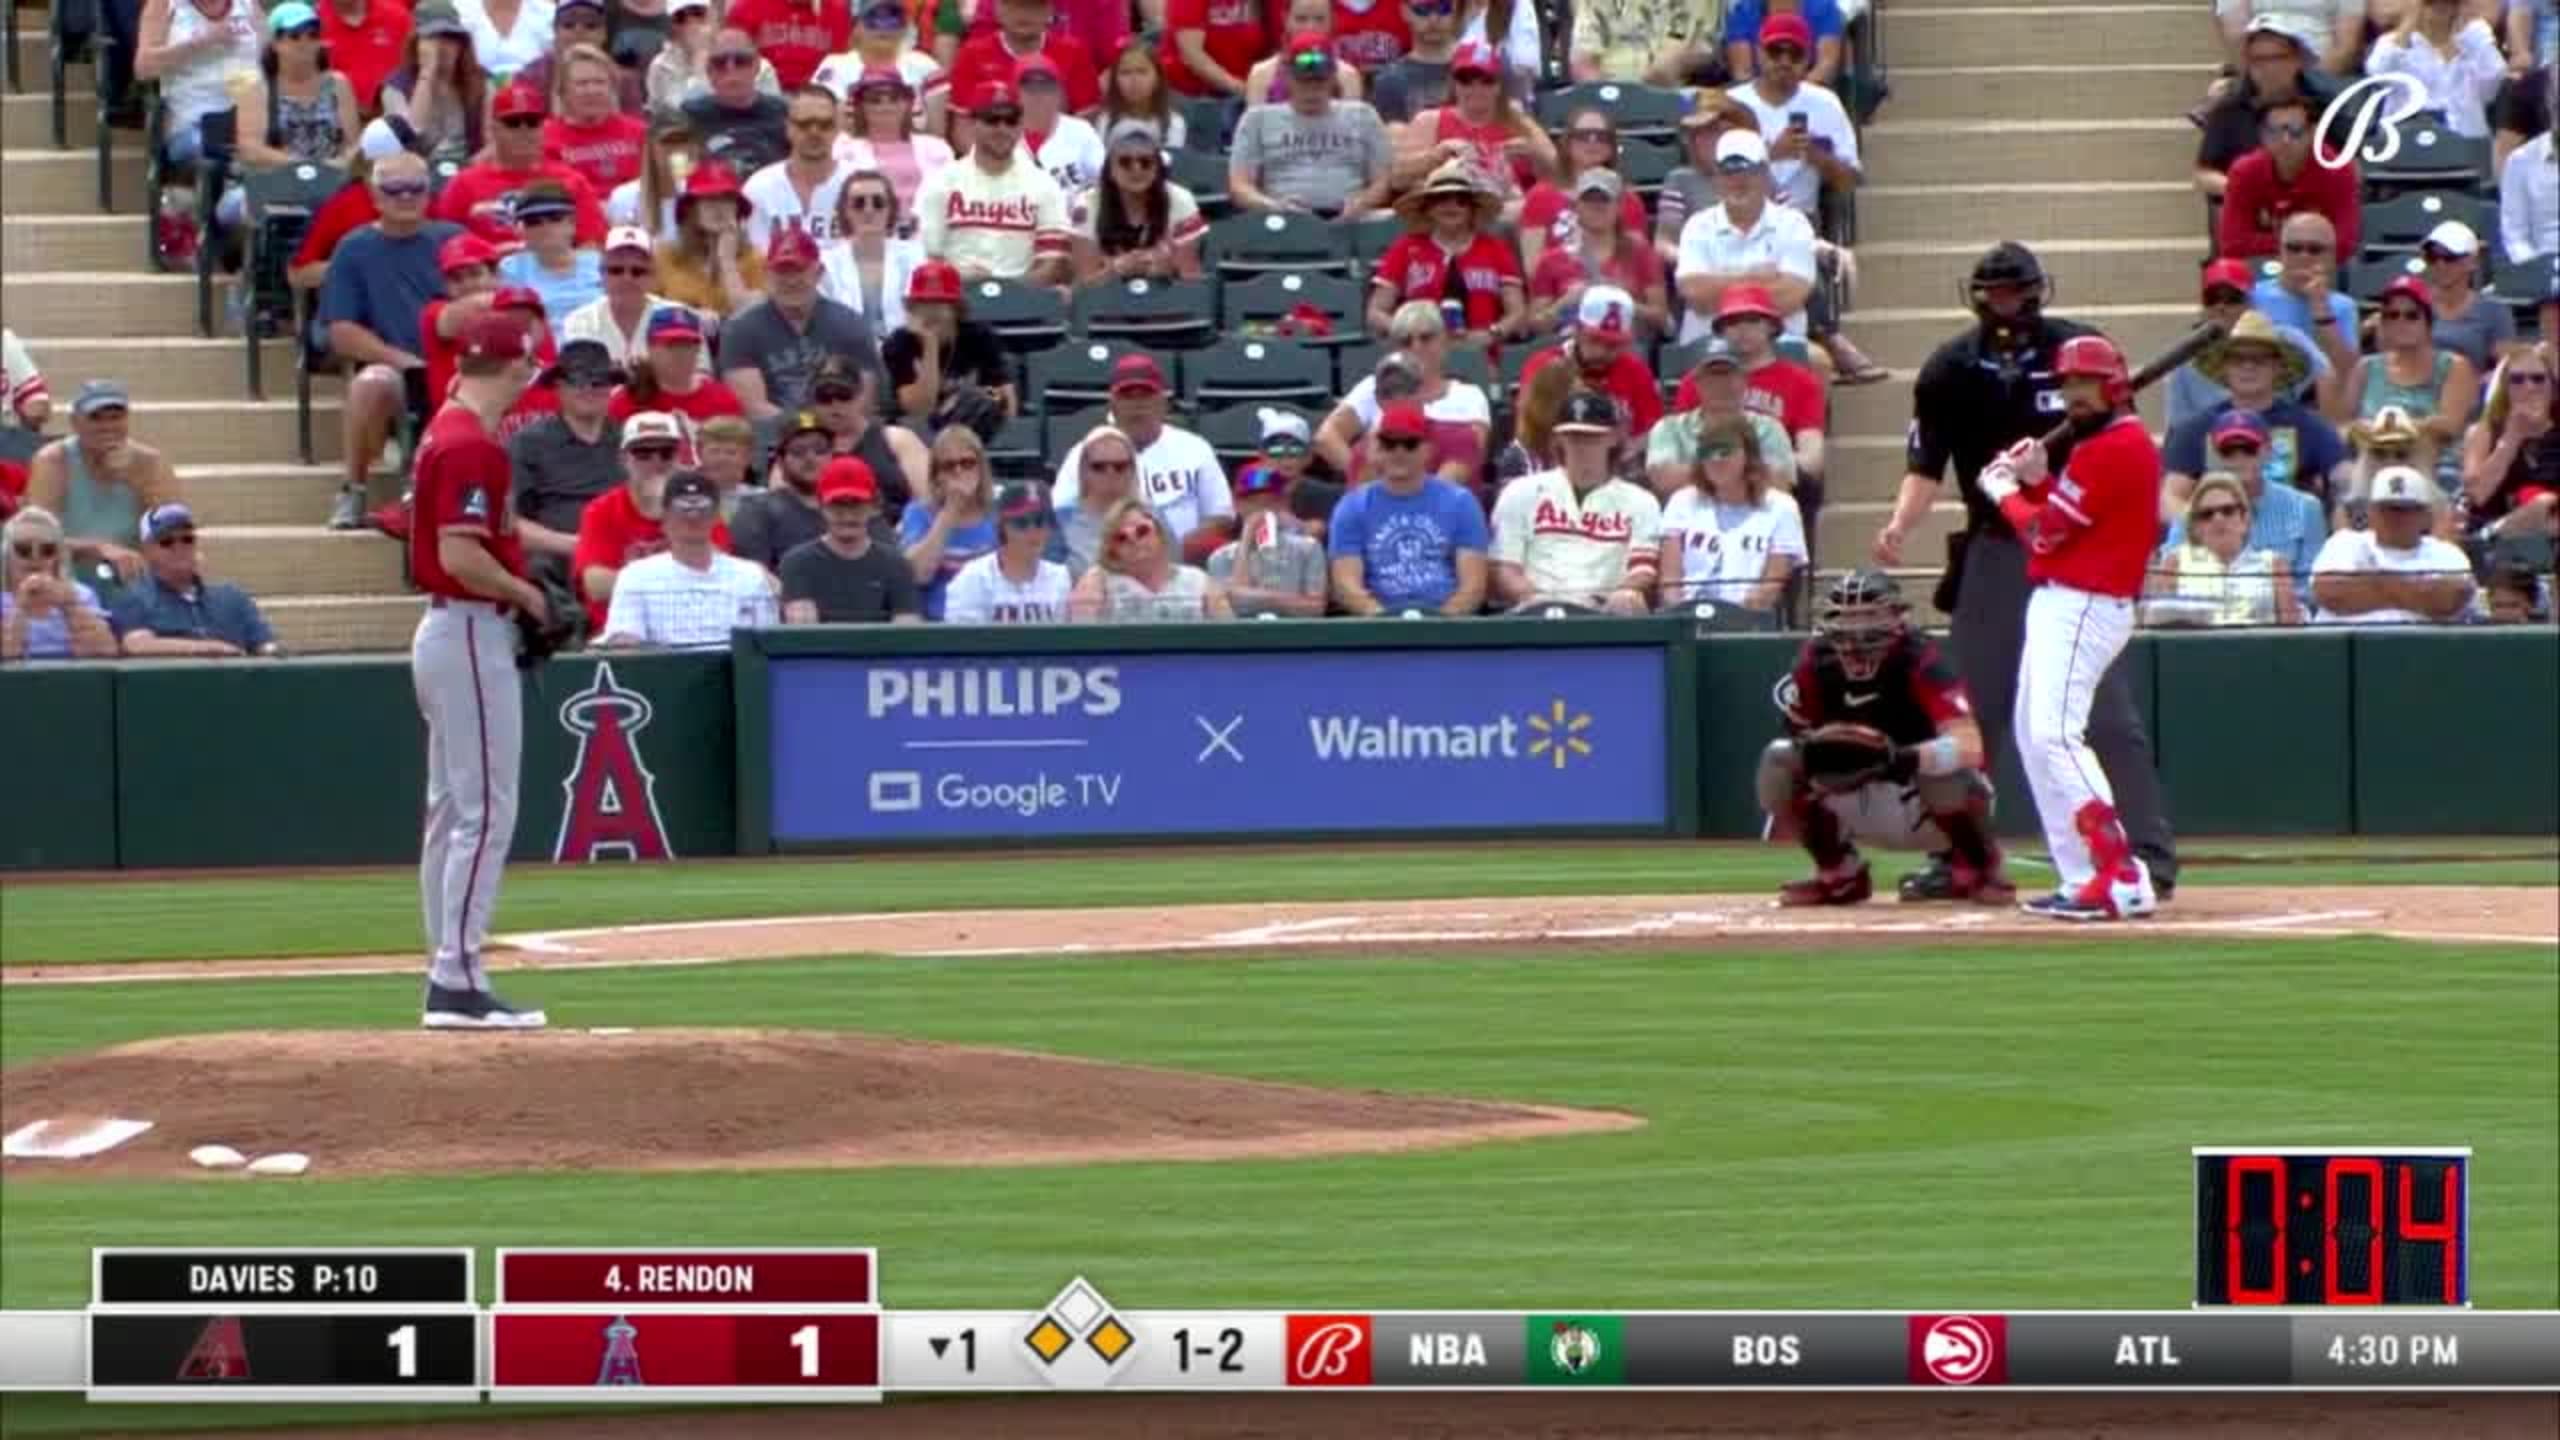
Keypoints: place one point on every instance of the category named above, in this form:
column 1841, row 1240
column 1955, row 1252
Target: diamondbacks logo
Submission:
column 611, row 806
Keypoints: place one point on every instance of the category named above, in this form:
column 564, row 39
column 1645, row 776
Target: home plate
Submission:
column 75, row 1139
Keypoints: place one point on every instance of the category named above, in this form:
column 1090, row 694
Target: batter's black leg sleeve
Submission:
column 2123, row 748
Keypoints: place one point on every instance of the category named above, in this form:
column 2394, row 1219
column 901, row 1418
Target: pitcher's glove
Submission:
column 1840, row 758
column 539, row 640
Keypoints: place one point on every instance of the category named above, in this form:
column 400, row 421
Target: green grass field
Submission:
column 1997, row 1127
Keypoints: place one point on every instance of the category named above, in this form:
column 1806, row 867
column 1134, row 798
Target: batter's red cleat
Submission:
column 1852, row 888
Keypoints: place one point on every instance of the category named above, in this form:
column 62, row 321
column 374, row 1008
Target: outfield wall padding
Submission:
column 184, row 764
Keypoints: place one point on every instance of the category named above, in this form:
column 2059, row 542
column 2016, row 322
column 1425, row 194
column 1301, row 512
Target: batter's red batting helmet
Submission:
column 2096, row 355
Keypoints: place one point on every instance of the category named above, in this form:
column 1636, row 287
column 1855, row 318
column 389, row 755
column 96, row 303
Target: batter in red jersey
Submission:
column 464, row 553
column 2089, row 534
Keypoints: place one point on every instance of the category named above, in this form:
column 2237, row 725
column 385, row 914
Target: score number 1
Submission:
column 403, row 1343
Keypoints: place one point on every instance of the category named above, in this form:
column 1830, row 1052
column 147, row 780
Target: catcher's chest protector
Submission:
column 1890, row 700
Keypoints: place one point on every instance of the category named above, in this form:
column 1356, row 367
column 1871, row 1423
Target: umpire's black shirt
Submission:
column 1969, row 405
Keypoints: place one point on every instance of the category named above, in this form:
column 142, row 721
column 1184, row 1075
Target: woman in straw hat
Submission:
column 2262, row 369
column 2391, row 437
column 1447, row 257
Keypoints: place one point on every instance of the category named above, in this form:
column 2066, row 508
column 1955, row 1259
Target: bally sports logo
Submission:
column 1959, row 1349
column 1329, row 1349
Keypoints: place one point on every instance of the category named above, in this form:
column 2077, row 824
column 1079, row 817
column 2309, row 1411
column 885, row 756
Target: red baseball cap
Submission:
column 1136, row 372
column 518, row 297
column 1475, row 58
column 791, row 248
column 2413, row 288
column 461, row 252
column 1404, row 422
column 847, row 478
column 1747, row 302
column 2228, row 275
column 995, row 95
column 495, row 335
column 715, row 181
column 518, row 100
column 934, row 281
column 1787, row 27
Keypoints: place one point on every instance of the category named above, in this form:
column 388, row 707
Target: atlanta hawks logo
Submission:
column 611, row 809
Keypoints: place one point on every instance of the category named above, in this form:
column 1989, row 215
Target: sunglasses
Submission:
column 957, row 462
column 2528, row 377
column 2215, row 512
column 27, row 551
column 1110, row 467
column 402, row 189
column 300, row 32
column 1597, row 135
column 2439, row 257
column 1134, row 161
column 1432, row 7
column 1132, row 534
column 1005, row 118
column 867, row 202
column 1026, row 522
column 546, row 217
column 587, row 382
column 2404, row 314
column 1475, row 77
column 1399, row 442
column 734, row 60
column 2288, row 132
column 2305, row 247
column 1782, row 51
column 184, row 539
column 631, row 272
column 813, row 122
column 650, row 452
column 2226, row 297
column 2238, row 447
column 833, row 394
column 1719, row 452
column 521, row 122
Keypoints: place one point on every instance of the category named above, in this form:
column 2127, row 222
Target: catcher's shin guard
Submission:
column 1785, row 793
column 1960, row 804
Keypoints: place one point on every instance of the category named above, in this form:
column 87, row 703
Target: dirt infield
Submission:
column 2478, row 913
column 375, row 1103
column 1588, row 1415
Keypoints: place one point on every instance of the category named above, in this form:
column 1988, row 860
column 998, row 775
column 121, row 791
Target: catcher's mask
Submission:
column 1862, row 615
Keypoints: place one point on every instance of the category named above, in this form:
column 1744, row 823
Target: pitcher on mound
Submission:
column 2090, row 532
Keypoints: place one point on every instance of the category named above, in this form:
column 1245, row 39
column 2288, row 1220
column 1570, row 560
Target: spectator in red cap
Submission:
column 1268, row 83
column 1177, row 471
column 994, row 213
column 794, row 34
column 592, row 132
column 881, row 135
column 1482, row 128
column 1773, row 385
column 1812, row 145
column 1409, row 543
column 470, row 266
column 1642, row 41
column 672, row 376
column 1602, row 349
column 800, row 190
column 879, row 47
column 483, row 196
column 845, row 576
column 1210, row 45
column 770, row 351
column 741, row 124
column 709, row 265
column 1417, row 369
column 1447, row 255
column 1023, row 29
column 943, row 367
column 379, row 281
column 2280, row 519
column 2435, row 386
column 1311, row 152
column 1823, row 34
column 2279, row 179
column 2227, row 284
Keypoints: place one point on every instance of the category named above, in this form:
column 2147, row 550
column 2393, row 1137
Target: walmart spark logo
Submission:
column 1556, row 735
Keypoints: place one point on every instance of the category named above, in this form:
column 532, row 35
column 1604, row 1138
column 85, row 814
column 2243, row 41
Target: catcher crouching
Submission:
column 1881, row 746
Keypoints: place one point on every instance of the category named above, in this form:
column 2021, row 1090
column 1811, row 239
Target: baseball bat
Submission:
column 2188, row 347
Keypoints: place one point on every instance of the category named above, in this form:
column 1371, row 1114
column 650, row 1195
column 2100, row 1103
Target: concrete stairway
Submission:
column 74, row 286
column 2059, row 124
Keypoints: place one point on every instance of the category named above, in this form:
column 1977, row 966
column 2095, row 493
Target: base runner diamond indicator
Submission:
column 1079, row 1313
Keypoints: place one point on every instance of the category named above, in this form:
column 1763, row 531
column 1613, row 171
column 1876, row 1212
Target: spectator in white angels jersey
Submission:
column 1015, row 584
column 799, row 191
column 1069, row 148
column 995, row 212
column 1179, row 476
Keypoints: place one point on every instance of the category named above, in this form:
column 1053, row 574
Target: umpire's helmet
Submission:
column 1863, row 614
column 2008, row 263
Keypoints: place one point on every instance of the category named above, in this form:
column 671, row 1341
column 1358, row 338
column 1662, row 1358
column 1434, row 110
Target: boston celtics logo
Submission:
column 1575, row 1348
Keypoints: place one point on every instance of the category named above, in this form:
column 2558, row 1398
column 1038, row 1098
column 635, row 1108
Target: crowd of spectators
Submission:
column 751, row 234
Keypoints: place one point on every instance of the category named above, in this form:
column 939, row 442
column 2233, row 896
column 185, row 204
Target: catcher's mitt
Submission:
column 1840, row 758
column 539, row 640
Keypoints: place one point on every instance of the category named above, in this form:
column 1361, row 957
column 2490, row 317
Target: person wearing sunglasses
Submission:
column 867, row 266
column 1140, row 579
column 2212, row 573
column 1812, row 146
column 1022, row 29
column 2433, row 386
column 1578, row 533
column 879, row 47
column 1551, row 216
column 1479, row 126
column 994, row 213
column 1268, row 83
column 2280, row 179
column 1825, row 45
column 847, row 574
column 1138, row 222
column 44, row 613
column 628, row 522
column 619, row 318
column 374, row 293
column 1019, row 584
column 1178, row 472
column 2279, row 55
column 953, row 521
column 691, row 594
column 2225, row 298
column 801, row 190
column 1311, row 153
column 742, row 123
column 881, row 137
column 1731, row 540
column 299, row 108
column 1418, row 80
column 1409, row 543
column 2396, row 572
column 551, row 263
column 2452, row 55
column 682, row 70
column 2303, row 294
column 2468, row 322
column 174, row 611
column 2511, row 458
column 2261, row 370
column 2282, row 520
column 483, row 195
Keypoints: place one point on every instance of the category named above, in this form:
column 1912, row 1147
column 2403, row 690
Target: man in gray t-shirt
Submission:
column 1313, row 152
column 1287, row 573
column 770, row 352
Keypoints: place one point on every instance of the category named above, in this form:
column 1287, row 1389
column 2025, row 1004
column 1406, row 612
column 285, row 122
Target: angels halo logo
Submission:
column 610, row 807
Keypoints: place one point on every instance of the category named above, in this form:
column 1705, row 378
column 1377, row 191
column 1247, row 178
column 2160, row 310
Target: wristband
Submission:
column 1940, row 756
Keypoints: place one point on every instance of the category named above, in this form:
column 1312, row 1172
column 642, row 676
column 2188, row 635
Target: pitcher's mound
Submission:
column 373, row 1103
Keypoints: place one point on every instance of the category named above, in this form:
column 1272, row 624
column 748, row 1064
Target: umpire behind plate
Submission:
column 1881, row 746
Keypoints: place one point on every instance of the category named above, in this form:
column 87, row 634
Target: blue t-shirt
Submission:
column 964, row 544
column 2288, row 309
column 214, row 612
column 1742, row 22
column 1408, row 544
column 383, row 283
column 2302, row 448
column 560, row 293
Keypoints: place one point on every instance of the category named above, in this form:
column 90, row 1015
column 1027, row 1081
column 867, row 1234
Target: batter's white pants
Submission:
column 2072, row 637
column 463, row 664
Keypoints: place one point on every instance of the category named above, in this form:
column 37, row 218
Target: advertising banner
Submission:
column 953, row 747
